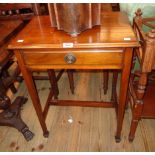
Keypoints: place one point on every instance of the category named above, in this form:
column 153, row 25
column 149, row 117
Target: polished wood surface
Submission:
column 114, row 37
column 115, row 27
column 84, row 58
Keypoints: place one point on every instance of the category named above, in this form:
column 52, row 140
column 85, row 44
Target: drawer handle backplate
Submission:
column 70, row 58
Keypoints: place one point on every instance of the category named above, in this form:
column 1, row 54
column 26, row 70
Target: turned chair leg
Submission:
column 136, row 116
column 12, row 86
column 138, row 105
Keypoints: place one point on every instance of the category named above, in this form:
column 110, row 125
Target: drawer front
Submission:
column 75, row 58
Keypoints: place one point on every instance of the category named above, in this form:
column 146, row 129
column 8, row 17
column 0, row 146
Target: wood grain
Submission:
column 84, row 57
column 114, row 28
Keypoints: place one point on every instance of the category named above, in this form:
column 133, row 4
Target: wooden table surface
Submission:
column 109, row 46
column 115, row 31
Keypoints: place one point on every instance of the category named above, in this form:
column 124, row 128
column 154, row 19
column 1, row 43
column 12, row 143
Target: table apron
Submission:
column 81, row 60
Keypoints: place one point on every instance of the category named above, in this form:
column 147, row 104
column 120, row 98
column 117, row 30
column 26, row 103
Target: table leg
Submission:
column 114, row 84
column 105, row 80
column 33, row 92
column 53, row 81
column 70, row 73
column 123, row 91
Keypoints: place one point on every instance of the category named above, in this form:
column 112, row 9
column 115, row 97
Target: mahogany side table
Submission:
column 109, row 46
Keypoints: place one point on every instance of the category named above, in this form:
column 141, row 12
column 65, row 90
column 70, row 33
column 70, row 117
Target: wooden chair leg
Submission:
column 138, row 105
column 71, row 79
column 13, row 88
column 6, row 74
column 136, row 116
column 2, row 87
column 105, row 80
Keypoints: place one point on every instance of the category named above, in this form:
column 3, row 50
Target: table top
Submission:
column 114, row 31
column 7, row 27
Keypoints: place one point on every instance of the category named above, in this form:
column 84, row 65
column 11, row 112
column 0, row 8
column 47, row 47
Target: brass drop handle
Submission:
column 70, row 58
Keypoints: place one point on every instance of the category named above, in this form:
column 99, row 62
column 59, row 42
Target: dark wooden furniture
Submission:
column 7, row 30
column 13, row 17
column 141, row 91
column 115, row 6
column 22, row 11
column 10, row 116
column 109, row 46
